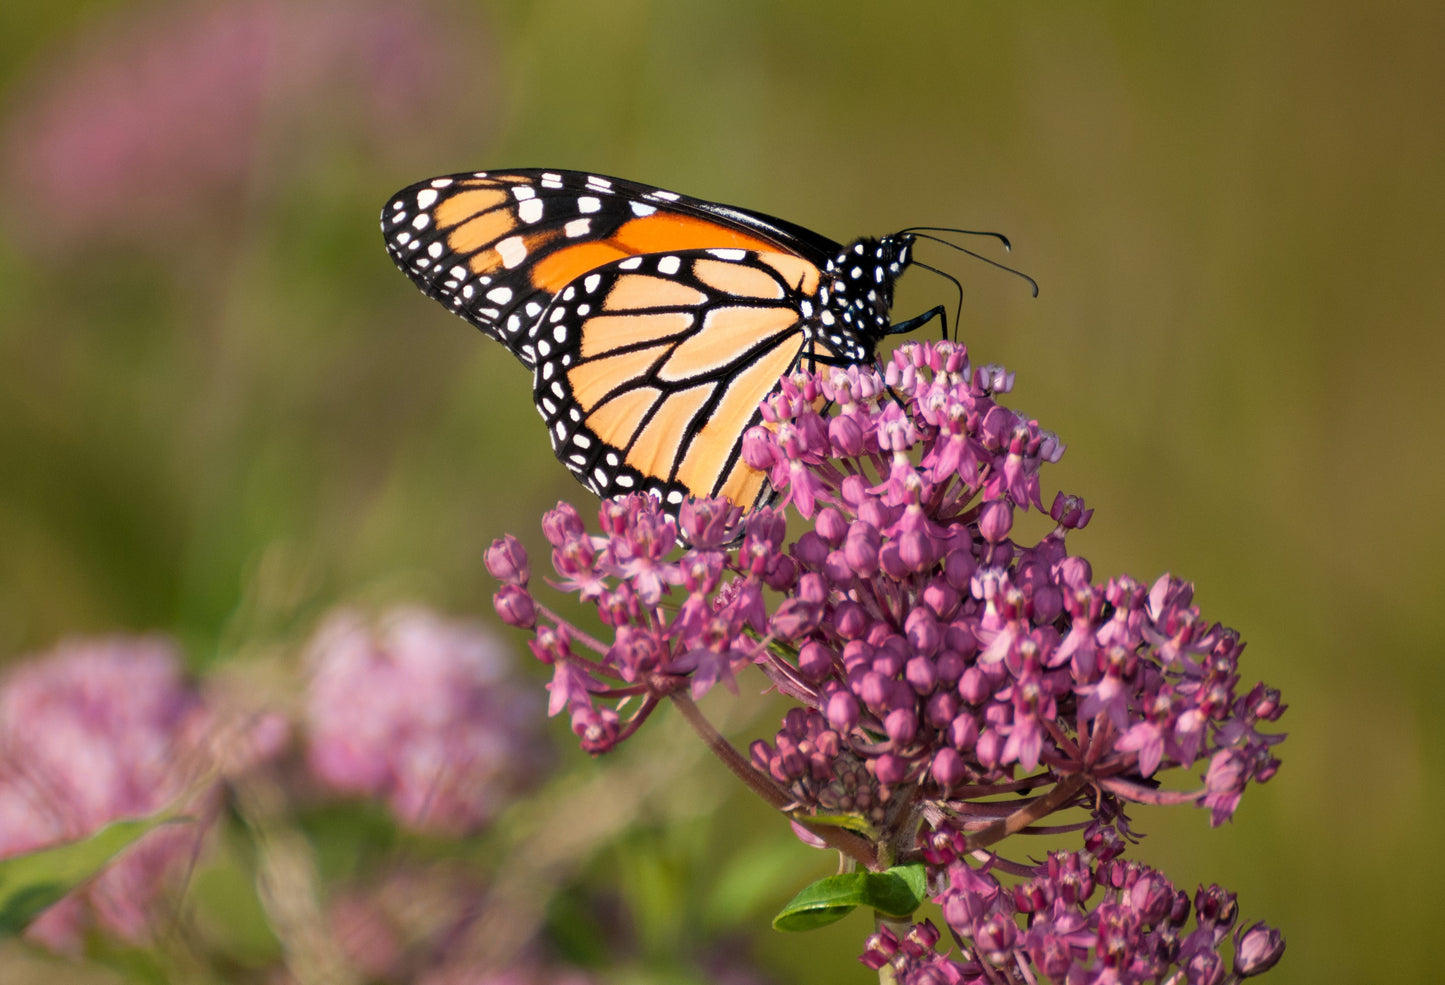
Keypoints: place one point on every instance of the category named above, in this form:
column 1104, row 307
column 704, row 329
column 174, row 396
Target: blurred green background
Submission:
column 222, row 409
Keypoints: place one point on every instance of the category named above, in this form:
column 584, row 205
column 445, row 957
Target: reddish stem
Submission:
column 856, row 847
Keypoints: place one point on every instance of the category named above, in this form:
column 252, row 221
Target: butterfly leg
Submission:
column 918, row 321
column 912, row 324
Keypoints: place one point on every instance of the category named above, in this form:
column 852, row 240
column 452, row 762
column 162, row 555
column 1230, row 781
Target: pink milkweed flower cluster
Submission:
column 424, row 713
column 937, row 661
column 413, row 917
column 93, row 732
column 157, row 118
column 1081, row 917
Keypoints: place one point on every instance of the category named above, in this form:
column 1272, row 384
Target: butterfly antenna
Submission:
column 958, row 308
column 919, row 232
column 962, row 232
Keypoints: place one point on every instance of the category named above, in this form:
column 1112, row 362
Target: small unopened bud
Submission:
column 1257, row 950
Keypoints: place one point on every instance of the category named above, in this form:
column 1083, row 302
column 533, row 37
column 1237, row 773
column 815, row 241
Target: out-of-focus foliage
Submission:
column 33, row 882
column 222, row 411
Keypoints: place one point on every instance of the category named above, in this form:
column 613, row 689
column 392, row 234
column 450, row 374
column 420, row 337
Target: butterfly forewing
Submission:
column 497, row 247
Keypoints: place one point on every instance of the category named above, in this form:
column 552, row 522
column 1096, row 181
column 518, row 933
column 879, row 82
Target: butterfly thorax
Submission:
column 856, row 295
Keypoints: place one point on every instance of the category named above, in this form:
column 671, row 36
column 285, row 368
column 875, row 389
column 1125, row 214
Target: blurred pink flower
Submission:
column 157, row 117
column 425, row 713
column 94, row 731
column 538, row 974
column 411, row 918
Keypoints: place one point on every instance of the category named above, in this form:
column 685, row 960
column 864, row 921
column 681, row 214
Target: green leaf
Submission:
column 894, row 893
column 29, row 883
column 898, row 891
column 824, row 902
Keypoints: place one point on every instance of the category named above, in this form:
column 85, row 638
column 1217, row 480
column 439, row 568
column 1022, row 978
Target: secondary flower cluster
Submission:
column 937, row 661
column 1080, row 920
column 95, row 731
column 157, row 116
column 422, row 712
column 411, row 708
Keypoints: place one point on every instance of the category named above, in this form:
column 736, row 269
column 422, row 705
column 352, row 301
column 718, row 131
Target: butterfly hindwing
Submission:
column 654, row 367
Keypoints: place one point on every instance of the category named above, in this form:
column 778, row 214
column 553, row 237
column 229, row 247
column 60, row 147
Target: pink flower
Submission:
column 95, row 731
column 157, row 119
column 409, row 917
column 424, row 713
column 954, row 679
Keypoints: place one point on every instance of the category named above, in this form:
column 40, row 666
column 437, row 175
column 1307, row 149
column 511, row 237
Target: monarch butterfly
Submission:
column 654, row 324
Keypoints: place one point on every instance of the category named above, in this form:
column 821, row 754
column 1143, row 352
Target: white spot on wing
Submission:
column 589, row 203
column 530, row 210
column 577, row 227
column 426, row 198
column 512, row 250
